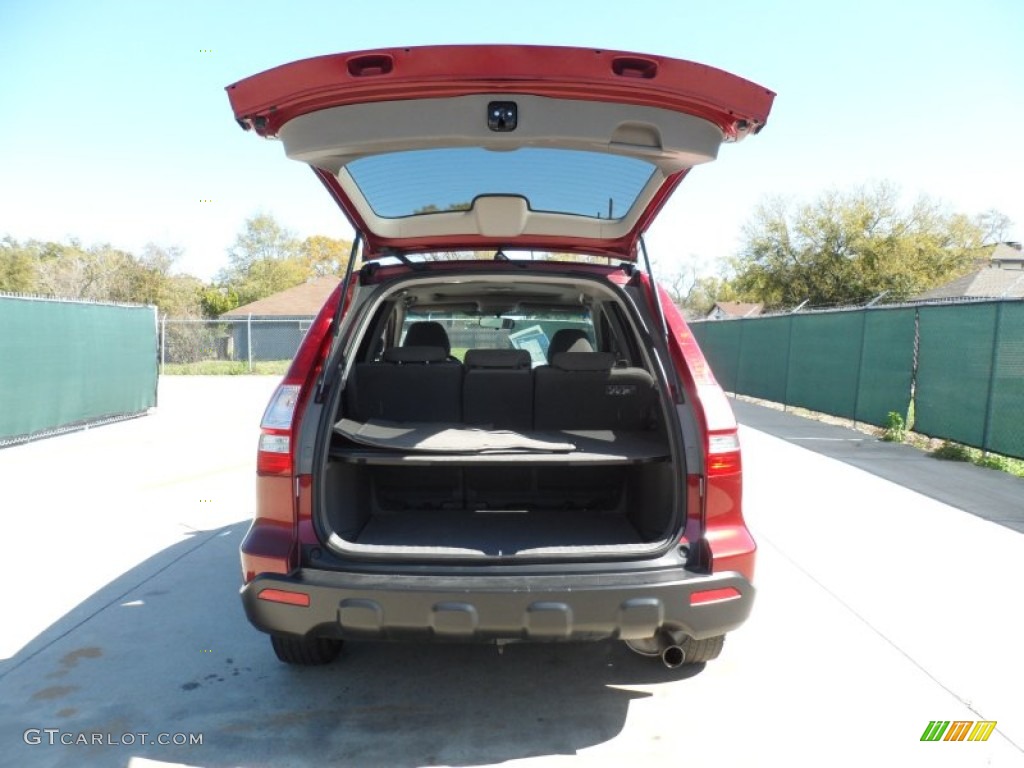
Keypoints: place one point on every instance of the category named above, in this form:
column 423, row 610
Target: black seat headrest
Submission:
column 584, row 361
column 415, row 355
column 498, row 358
column 568, row 340
column 427, row 333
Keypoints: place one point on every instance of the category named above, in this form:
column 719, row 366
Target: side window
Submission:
column 373, row 343
column 606, row 339
column 620, row 339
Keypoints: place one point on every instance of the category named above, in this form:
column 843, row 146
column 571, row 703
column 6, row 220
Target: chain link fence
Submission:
column 248, row 339
column 961, row 364
column 255, row 339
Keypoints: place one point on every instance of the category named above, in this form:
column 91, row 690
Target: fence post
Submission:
column 993, row 362
column 163, row 343
column 248, row 340
column 913, row 369
column 789, row 358
column 860, row 358
column 739, row 359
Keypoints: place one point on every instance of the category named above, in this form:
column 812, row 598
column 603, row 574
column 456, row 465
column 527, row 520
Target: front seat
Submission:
column 567, row 340
column 428, row 333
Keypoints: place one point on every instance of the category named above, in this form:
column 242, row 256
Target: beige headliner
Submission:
column 497, row 293
column 331, row 138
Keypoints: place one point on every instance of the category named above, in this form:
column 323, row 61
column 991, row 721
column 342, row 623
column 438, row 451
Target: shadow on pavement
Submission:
column 166, row 649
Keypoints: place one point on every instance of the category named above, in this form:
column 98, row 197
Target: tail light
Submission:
column 286, row 596
column 727, row 544
column 724, row 454
column 706, row 596
column 274, row 456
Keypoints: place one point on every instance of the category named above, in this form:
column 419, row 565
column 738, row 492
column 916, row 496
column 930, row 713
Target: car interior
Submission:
column 539, row 431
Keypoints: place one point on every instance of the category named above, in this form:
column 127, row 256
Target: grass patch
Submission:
column 227, row 368
column 956, row 452
column 952, row 452
column 895, row 428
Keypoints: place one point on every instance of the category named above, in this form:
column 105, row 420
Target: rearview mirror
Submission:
column 498, row 323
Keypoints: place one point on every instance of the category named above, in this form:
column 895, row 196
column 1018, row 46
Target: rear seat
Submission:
column 583, row 390
column 498, row 389
column 410, row 384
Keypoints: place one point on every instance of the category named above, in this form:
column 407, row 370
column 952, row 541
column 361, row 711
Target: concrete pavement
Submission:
column 879, row 609
column 986, row 493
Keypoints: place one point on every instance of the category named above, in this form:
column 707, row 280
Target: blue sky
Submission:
column 115, row 123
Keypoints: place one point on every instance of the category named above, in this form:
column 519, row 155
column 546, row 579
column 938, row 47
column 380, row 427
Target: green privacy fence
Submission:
column 64, row 364
column 967, row 379
column 971, row 375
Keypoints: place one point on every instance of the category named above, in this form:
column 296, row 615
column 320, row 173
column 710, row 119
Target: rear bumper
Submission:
column 628, row 606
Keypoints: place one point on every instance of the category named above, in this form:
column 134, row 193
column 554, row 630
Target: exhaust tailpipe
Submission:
column 662, row 646
column 673, row 656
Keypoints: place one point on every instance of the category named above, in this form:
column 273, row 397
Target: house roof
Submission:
column 987, row 282
column 1007, row 253
column 737, row 308
column 297, row 301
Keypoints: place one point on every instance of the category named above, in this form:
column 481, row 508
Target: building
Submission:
column 1000, row 277
column 278, row 322
column 1008, row 256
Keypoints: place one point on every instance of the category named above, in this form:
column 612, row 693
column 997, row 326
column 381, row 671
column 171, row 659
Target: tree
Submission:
column 432, row 208
column 844, row 248
column 153, row 283
column 268, row 276
column 694, row 292
column 181, row 297
column 261, row 239
column 18, row 273
column 216, row 301
column 100, row 273
column 266, row 258
column 325, row 255
column 995, row 225
column 679, row 283
column 706, row 292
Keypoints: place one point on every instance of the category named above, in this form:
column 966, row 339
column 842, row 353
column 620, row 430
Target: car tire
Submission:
column 699, row 651
column 305, row 651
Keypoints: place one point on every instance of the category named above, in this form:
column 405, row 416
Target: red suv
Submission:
column 499, row 428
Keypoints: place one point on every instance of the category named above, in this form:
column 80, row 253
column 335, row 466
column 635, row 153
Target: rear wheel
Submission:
column 697, row 651
column 676, row 649
column 305, row 651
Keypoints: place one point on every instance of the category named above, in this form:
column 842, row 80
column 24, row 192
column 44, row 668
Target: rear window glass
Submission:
column 594, row 184
column 531, row 331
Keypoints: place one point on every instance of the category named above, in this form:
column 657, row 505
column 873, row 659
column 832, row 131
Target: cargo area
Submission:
column 546, row 437
column 500, row 511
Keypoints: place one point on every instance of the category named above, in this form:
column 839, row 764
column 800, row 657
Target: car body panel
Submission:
column 487, row 607
column 335, row 112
